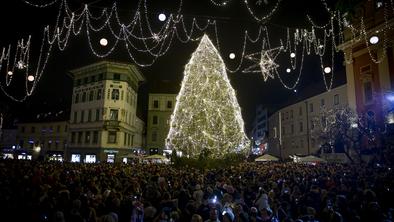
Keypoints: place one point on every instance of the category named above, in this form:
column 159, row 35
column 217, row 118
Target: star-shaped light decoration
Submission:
column 265, row 63
column 20, row 65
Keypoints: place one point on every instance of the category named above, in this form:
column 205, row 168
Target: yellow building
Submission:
column 103, row 121
column 160, row 108
column 292, row 125
column 45, row 139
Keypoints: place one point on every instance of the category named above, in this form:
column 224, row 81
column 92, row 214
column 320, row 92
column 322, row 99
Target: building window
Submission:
column 336, row 99
column 154, row 136
column 368, row 92
column 99, row 94
column 84, row 97
column 82, row 116
column 100, row 77
column 97, row 114
column 95, row 137
column 91, row 95
column 75, row 116
column 72, row 137
column 111, row 136
column 89, row 115
column 156, row 104
column 311, row 107
column 301, row 126
column 169, row 104
column 113, row 114
column 87, row 137
column 125, row 139
column 121, row 94
column 116, row 76
column 291, row 114
column 300, row 111
column 79, row 137
column 312, row 125
column 108, row 94
column 155, row 120
column 115, row 94
column 76, row 99
column 322, row 102
column 33, row 129
column 292, row 129
column 93, row 79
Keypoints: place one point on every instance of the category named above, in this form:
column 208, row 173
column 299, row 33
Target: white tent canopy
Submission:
column 311, row 159
column 266, row 158
column 157, row 158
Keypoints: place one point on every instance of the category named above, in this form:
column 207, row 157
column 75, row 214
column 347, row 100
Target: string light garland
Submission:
column 207, row 116
column 137, row 36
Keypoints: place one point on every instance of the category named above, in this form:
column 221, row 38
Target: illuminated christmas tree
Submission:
column 207, row 117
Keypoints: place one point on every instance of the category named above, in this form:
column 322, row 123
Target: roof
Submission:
column 107, row 63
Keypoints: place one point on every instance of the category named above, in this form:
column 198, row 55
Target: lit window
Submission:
column 156, row 104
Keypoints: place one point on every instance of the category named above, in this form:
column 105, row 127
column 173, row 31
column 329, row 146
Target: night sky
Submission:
column 54, row 90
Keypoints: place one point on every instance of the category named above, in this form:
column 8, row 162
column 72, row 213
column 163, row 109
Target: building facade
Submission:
column 369, row 60
column 290, row 127
column 160, row 109
column 47, row 140
column 103, row 121
column 259, row 133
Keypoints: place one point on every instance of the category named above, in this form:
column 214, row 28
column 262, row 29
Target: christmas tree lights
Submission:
column 207, row 116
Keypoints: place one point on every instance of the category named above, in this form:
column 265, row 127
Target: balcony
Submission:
column 112, row 124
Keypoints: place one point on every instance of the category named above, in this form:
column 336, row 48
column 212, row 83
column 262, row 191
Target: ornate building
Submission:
column 103, row 121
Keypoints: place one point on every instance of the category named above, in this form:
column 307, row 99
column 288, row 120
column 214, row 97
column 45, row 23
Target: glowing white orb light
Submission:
column 30, row 78
column 292, row 55
column 103, row 42
column 374, row 40
column 288, row 70
column 232, row 56
column 327, row 70
column 10, row 73
column 162, row 17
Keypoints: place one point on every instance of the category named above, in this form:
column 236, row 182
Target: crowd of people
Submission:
column 60, row 192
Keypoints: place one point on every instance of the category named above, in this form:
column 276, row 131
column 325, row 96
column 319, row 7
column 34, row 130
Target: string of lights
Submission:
column 138, row 36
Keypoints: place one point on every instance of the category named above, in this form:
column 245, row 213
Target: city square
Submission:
column 221, row 110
